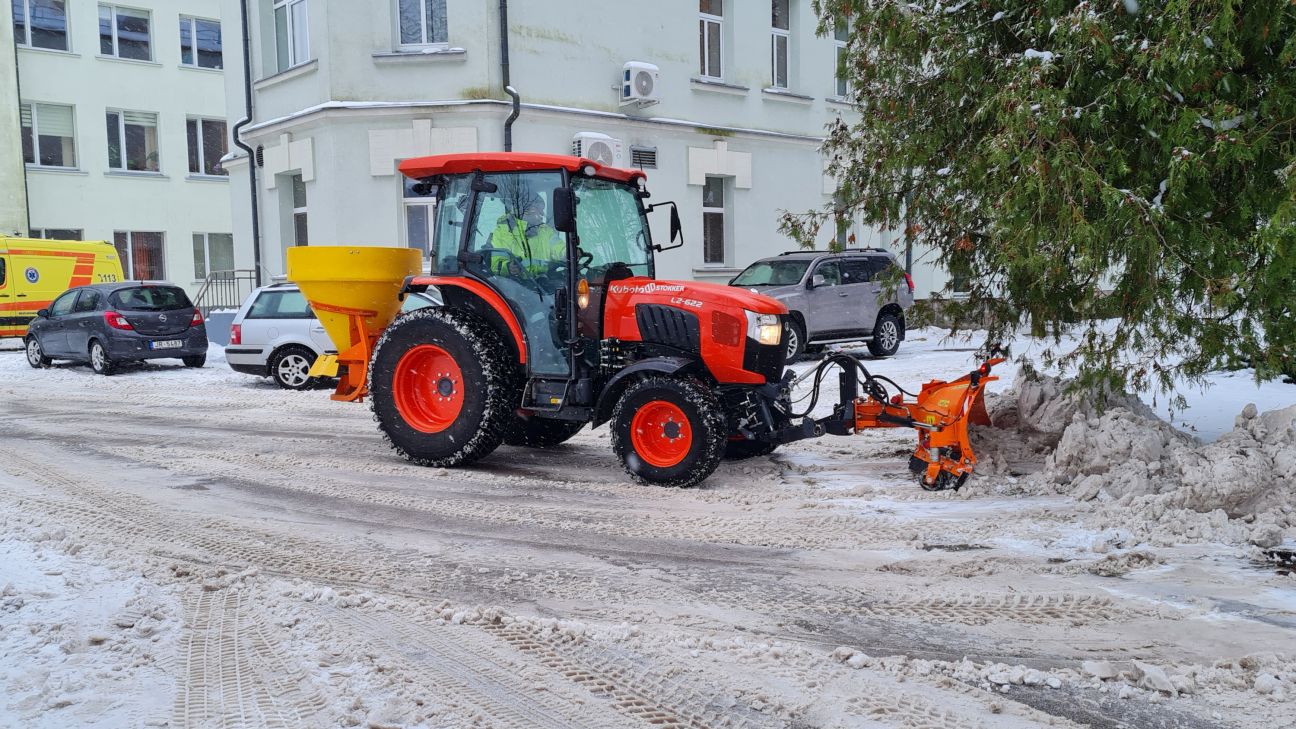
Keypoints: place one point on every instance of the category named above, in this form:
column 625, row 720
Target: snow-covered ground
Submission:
column 194, row 548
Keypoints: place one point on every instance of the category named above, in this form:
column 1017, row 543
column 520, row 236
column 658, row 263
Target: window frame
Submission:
column 192, row 21
column 128, row 260
column 401, row 44
column 704, row 45
column 201, row 148
column 409, row 200
column 27, row 28
column 116, row 45
column 121, row 140
column 36, row 135
column 207, row 253
column 290, row 33
column 841, row 83
column 300, row 210
column 44, row 233
column 723, row 212
column 785, row 34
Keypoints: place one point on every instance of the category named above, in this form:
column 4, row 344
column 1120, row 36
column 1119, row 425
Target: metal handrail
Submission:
column 225, row 289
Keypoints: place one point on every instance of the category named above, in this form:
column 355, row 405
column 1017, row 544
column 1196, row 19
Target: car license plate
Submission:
column 167, row 344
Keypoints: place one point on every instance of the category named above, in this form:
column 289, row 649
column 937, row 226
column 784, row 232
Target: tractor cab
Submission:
column 544, row 233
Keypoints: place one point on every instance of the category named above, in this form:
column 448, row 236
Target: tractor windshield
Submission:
column 612, row 226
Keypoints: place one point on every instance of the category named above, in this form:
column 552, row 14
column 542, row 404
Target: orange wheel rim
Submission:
column 660, row 434
column 428, row 388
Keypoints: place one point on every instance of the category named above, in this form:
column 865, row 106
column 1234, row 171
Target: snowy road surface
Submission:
column 195, row 548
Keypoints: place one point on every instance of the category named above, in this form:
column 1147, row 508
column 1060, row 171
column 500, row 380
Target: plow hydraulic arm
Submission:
column 941, row 413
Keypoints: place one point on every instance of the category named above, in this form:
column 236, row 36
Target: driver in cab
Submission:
column 527, row 234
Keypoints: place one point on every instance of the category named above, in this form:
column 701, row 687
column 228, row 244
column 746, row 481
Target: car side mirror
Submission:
column 818, row 280
column 564, row 204
column 43, row 313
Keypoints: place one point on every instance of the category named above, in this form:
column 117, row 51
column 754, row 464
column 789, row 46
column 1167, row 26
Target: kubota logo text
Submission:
column 650, row 288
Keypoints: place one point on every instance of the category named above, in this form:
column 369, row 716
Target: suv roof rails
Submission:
column 830, row 253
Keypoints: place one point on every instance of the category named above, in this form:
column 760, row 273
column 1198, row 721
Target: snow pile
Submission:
column 1146, row 476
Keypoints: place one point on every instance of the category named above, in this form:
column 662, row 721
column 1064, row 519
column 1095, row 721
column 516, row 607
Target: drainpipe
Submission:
column 251, row 153
column 26, row 231
column 504, row 73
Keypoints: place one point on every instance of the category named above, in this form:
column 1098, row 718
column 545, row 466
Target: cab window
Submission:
column 4, row 271
column 62, row 306
column 280, row 305
column 89, row 301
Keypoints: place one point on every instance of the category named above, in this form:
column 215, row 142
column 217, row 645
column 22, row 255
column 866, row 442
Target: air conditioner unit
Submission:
column 599, row 147
column 639, row 83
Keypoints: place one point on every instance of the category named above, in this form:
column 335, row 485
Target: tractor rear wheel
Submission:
column 442, row 386
column 540, row 432
column 669, row 431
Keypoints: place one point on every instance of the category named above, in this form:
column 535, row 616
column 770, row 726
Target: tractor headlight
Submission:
column 764, row 328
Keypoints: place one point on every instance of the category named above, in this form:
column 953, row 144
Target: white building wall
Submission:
column 99, row 200
column 360, row 105
column 13, row 188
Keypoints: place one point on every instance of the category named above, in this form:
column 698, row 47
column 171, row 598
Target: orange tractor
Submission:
column 552, row 319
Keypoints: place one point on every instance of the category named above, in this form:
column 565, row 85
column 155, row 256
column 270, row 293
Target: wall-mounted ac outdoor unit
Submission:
column 640, row 82
column 599, row 147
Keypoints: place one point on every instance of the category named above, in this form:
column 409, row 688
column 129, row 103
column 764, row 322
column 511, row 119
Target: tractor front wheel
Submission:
column 442, row 387
column 669, row 431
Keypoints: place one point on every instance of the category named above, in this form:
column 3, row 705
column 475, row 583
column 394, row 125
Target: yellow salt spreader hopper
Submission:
column 355, row 293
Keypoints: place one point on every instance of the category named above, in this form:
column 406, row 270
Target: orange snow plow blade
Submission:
column 941, row 414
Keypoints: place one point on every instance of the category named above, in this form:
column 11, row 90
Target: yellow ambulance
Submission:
column 33, row 272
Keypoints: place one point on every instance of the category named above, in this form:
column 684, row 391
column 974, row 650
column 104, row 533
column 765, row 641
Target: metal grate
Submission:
column 643, row 158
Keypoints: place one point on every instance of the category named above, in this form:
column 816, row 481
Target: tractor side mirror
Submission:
column 817, row 280
column 676, row 228
column 43, row 313
column 564, row 205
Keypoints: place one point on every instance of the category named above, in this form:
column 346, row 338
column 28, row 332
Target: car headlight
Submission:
column 764, row 328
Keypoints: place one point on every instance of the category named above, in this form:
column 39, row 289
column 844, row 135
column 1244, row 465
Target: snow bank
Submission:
column 1148, row 476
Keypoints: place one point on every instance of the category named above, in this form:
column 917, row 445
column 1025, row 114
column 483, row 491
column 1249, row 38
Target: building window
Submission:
column 423, row 22
column 124, row 33
column 207, row 144
column 133, row 141
column 420, row 209
column 141, row 254
column 841, row 34
column 41, row 24
column 710, row 45
column 213, row 254
column 299, row 211
column 58, row 233
column 291, row 33
column 48, row 138
column 780, row 37
column 200, row 43
column 713, row 221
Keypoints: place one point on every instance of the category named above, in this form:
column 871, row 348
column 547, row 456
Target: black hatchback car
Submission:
column 108, row 324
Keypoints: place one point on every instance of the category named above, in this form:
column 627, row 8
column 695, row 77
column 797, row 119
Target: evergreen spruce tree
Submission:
column 1084, row 162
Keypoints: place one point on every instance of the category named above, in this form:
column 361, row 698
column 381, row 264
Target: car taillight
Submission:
column 117, row 321
column 197, row 319
column 909, row 280
column 236, row 334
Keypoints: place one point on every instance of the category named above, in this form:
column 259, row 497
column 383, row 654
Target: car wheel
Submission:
column 290, row 367
column 198, row 360
column 100, row 362
column 540, row 432
column 886, row 336
column 795, row 341
column 35, row 355
column 443, row 387
column 669, row 431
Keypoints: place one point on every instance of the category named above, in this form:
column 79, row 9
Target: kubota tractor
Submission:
column 553, row 319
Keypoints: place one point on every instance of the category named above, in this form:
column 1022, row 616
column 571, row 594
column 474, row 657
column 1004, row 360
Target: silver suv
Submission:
column 854, row 296
column 275, row 334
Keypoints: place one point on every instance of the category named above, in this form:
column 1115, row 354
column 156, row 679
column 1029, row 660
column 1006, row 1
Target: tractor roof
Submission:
column 459, row 164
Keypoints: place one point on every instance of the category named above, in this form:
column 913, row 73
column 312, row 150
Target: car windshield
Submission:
column 772, row 273
column 150, row 298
